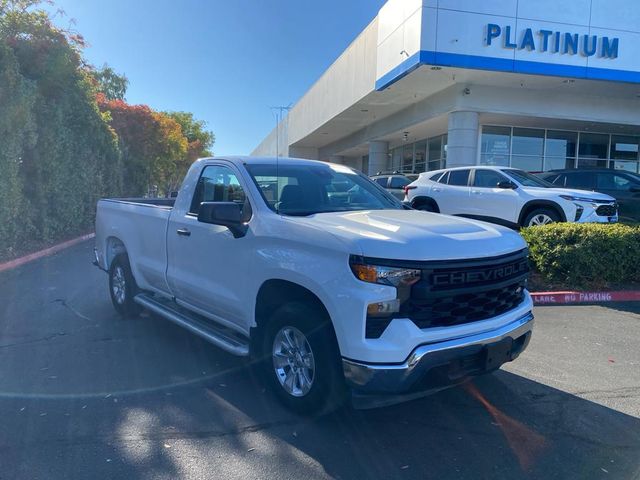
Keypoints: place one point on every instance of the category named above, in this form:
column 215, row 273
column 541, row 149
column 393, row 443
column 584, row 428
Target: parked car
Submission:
column 506, row 196
column 256, row 257
column 393, row 182
column 623, row 186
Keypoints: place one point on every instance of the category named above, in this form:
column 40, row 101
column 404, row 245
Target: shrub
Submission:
column 585, row 255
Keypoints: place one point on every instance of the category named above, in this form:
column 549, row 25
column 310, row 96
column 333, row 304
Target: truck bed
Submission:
column 140, row 225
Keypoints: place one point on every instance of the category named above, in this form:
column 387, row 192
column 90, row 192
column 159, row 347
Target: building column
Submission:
column 378, row 157
column 462, row 142
column 337, row 159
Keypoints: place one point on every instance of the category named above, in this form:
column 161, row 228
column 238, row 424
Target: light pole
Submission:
column 279, row 114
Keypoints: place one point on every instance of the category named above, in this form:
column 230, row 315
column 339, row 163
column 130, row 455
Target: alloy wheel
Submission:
column 293, row 361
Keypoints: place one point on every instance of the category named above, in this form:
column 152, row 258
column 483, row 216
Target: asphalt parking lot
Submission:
column 86, row 394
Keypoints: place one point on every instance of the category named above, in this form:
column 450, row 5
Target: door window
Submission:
column 487, row 179
column 382, row 181
column 217, row 184
column 580, row 180
column 608, row 181
column 399, row 182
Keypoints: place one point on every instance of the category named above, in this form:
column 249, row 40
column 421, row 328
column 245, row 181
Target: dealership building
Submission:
column 532, row 84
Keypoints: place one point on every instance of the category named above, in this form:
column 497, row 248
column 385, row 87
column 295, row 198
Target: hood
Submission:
column 551, row 193
column 416, row 235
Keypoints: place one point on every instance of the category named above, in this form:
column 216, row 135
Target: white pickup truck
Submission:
column 322, row 276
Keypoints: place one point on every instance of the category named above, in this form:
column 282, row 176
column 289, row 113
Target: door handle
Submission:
column 477, row 192
column 437, row 189
column 184, row 232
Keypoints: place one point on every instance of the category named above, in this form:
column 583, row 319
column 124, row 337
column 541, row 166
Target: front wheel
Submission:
column 301, row 359
column 540, row 216
column 123, row 287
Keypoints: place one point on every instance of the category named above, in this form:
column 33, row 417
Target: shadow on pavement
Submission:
column 86, row 394
column 500, row 426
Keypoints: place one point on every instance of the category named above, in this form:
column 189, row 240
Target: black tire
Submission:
column 327, row 390
column 123, row 287
column 426, row 207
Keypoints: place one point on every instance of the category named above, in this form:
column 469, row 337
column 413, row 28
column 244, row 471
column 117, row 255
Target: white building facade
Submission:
column 533, row 84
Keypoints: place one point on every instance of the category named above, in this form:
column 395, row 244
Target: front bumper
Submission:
column 597, row 212
column 436, row 365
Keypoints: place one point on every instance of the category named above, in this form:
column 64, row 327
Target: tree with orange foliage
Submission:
column 152, row 146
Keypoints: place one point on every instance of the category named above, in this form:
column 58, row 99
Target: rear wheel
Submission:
column 426, row 206
column 301, row 360
column 123, row 287
column 540, row 216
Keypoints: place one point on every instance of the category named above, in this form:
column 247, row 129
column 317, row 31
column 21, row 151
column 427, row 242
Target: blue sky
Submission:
column 227, row 61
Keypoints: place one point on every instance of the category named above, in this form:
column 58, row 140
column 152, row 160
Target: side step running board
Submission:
column 220, row 336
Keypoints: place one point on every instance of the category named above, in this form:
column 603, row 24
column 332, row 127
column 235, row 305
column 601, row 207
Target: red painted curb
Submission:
column 44, row 253
column 560, row 298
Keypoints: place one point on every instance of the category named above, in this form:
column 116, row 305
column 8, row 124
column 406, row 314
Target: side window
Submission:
column 488, row 178
column 610, row 181
column 560, row 180
column 382, row 181
column 444, row 178
column 551, row 178
column 217, row 184
column 459, row 178
column 580, row 180
column 399, row 182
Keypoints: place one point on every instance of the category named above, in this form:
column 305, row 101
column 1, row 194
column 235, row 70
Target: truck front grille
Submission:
column 461, row 291
column 454, row 309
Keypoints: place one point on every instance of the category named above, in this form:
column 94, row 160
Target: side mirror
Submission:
column 226, row 214
column 507, row 185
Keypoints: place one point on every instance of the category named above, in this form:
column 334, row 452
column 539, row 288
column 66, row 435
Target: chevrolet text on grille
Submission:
column 458, row 278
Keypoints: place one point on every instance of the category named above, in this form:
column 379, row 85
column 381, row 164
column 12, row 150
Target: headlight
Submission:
column 571, row 198
column 400, row 278
column 395, row 277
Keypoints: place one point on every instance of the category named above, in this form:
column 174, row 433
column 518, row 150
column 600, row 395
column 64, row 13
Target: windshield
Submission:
column 305, row 189
column 527, row 180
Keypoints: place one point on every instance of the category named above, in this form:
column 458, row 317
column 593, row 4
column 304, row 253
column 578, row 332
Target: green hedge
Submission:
column 574, row 255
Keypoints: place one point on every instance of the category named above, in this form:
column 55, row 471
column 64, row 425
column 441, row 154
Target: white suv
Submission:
column 506, row 196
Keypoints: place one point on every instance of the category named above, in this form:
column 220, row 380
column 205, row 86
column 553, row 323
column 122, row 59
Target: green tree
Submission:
column 152, row 143
column 200, row 139
column 111, row 84
column 61, row 149
column 199, row 143
column 17, row 131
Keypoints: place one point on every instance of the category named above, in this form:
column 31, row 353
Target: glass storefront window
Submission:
column 396, row 158
column 435, row 165
column 528, row 163
column 561, row 144
column 527, row 141
column 559, row 163
column 529, row 149
column 496, row 146
column 435, row 148
column 628, row 166
column 591, row 163
column 496, row 140
column 625, row 148
column 421, row 157
column 407, row 159
column 593, row 146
